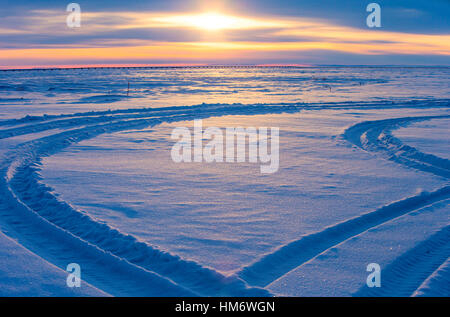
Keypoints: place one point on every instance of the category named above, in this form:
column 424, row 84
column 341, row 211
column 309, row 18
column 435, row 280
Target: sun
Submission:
column 209, row 21
column 214, row 21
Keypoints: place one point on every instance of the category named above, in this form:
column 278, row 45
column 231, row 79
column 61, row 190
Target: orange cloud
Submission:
column 304, row 35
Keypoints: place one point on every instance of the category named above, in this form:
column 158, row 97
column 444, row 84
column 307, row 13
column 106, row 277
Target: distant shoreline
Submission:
column 163, row 67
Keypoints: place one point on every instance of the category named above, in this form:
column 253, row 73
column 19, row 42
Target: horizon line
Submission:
column 198, row 66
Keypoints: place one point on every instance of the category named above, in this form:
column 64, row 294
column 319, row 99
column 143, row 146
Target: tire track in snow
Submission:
column 33, row 124
column 274, row 265
column 373, row 136
column 437, row 284
column 406, row 274
column 22, row 191
column 22, row 181
column 99, row 268
column 417, row 271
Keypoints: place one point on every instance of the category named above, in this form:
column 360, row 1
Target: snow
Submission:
column 341, row 270
column 197, row 210
column 363, row 178
column 23, row 273
column 429, row 137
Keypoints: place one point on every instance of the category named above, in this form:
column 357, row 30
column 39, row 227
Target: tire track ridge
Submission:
column 372, row 136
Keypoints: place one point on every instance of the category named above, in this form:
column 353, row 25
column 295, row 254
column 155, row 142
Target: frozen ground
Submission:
column 362, row 179
column 431, row 136
column 23, row 273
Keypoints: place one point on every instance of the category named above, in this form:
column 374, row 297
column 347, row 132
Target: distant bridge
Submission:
column 154, row 67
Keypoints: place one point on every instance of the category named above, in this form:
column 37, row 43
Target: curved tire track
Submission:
column 437, row 284
column 30, row 210
column 22, row 191
column 409, row 271
column 373, row 136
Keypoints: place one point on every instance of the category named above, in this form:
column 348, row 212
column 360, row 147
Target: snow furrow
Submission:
column 22, row 176
column 406, row 274
column 33, row 124
column 104, row 117
column 61, row 248
column 26, row 198
column 373, row 136
column 276, row 264
column 437, row 284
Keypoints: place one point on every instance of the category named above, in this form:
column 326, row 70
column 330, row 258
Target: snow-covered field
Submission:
column 87, row 177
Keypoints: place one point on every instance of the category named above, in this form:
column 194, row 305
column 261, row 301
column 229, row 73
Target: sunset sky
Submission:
column 225, row 32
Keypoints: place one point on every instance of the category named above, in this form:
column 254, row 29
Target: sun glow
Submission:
column 212, row 21
column 212, row 38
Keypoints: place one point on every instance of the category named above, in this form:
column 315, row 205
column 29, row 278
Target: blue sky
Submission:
column 252, row 32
